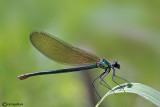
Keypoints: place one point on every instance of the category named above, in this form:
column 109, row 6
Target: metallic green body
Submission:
column 24, row 76
column 103, row 64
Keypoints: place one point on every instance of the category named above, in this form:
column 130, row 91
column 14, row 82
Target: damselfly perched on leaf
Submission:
column 60, row 51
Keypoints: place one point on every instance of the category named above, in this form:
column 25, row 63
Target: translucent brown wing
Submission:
column 61, row 51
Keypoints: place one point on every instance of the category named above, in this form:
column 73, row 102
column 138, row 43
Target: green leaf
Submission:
column 136, row 88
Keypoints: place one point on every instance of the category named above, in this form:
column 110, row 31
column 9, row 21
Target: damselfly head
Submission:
column 116, row 65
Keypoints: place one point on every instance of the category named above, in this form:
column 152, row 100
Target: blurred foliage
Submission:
column 122, row 30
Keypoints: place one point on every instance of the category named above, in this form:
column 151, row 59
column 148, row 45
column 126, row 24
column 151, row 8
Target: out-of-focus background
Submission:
column 126, row 31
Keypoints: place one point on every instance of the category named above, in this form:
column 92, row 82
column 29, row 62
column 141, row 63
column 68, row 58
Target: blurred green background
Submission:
column 122, row 30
